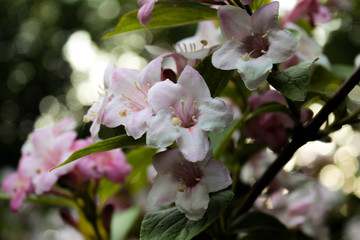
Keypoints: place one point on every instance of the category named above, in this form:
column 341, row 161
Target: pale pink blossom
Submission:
column 129, row 105
column 254, row 43
column 269, row 127
column 110, row 164
column 185, row 112
column 18, row 187
column 45, row 149
column 186, row 183
column 144, row 13
column 304, row 208
column 99, row 112
column 310, row 9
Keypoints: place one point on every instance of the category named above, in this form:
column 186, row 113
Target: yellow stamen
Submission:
column 175, row 121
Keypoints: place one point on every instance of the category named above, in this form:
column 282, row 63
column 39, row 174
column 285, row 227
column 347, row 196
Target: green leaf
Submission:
column 139, row 159
column 216, row 79
column 165, row 16
column 105, row 145
column 256, row 4
column 122, row 222
column 293, row 82
column 220, row 140
column 51, row 200
column 172, row 224
column 324, row 82
column 107, row 189
column 255, row 222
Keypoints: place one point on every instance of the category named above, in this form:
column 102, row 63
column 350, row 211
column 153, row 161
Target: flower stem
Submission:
column 301, row 136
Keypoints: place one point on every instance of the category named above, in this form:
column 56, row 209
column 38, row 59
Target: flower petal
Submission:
column 234, row 22
column 216, row 176
column 193, row 84
column 123, row 81
column 163, row 191
column 254, row 71
column 161, row 133
column 193, row 143
column 136, row 124
column 163, row 161
column 265, row 18
column 227, row 56
column 193, row 201
column 144, row 13
column 169, row 92
column 152, row 72
column 283, row 45
column 214, row 115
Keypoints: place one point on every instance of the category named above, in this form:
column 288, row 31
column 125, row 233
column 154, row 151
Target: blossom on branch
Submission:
column 185, row 112
column 186, row 183
column 311, row 9
column 17, row 186
column 254, row 43
column 110, row 164
column 97, row 112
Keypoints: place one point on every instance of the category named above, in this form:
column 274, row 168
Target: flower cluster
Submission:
column 49, row 147
column 207, row 98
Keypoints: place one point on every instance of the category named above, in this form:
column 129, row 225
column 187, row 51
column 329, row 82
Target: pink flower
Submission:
column 186, row 183
column 45, row 149
column 185, row 112
column 269, row 127
column 111, row 164
column 99, row 112
column 144, row 13
column 17, row 186
column 129, row 105
column 311, row 9
column 304, row 208
column 254, row 43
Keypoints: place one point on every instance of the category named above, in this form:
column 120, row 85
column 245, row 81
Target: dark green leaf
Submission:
column 172, row 224
column 293, row 82
column 105, row 145
column 165, row 16
column 216, row 79
column 323, row 81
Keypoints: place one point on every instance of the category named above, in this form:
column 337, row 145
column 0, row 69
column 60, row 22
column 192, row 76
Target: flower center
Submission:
column 184, row 114
column 187, row 173
column 137, row 102
column 254, row 45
